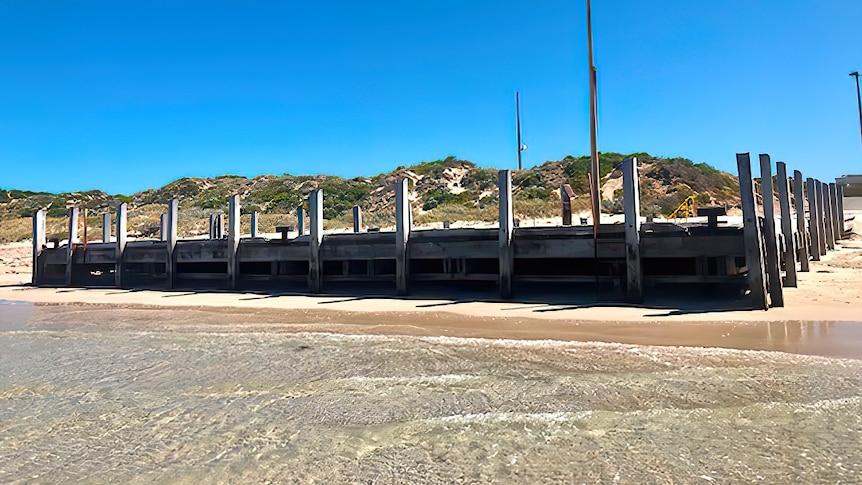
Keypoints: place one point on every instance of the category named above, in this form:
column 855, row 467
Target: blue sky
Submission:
column 124, row 96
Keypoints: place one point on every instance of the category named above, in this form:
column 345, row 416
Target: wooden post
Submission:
column 212, row 226
column 173, row 214
column 220, row 225
column 300, row 220
column 827, row 216
column 813, row 218
column 315, row 219
column 122, row 232
column 773, row 270
column 800, row 221
column 106, row 227
column 73, row 239
column 751, row 233
column 233, row 235
column 163, row 227
column 254, row 224
column 631, row 202
column 402, row 235
column 566, row 194
column 789, row 254
column 505, row 235
column 840, row 189
column 38, row 243
column 821, row 216
column 837, row 226
column 357, row 219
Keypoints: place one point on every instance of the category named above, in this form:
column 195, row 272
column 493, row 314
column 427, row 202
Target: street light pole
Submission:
column 518, row 125
column 858, row 99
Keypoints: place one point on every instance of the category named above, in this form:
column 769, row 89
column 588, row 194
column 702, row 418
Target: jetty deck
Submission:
column 756, row 257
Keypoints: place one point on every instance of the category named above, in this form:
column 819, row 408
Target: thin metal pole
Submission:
column 518, row 125
column 858, row 99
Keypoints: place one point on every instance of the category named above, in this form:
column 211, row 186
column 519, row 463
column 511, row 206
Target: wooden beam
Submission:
column 773, row 271
column 507, row 227
column 840, row 189
column 39, row 239
column 163, row 227
column 566, row 194
column 402, row 235
column 233, row 235
column 802, row 233
column 106, row 227
column 122, row 234
column 751, row 233
column 827, row 216
column 837, row 226
column 357, row 219
column 300, row 220
column 631, row 202
column 254, row 216
column 821, row 224
column 173, row 215
column 315, row 219
column 788, row 254
column 813, row 218
column 73, row 239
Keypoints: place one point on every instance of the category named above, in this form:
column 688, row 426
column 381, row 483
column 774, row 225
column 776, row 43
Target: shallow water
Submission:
column 118, row 401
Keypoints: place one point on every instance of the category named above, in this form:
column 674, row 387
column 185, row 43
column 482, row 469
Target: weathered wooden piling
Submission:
column 122, row 234
column 840, row 189
column 631, row 202
column 827, row 216
column 813, row 218
column 773, row 271
column 801, row 229
column 837, row 226
column 821, row 223
column 73, row 239
column 402, row 235
column 357, row 219
column 39, row 239
column 163, row 227
column 233, row 235
column 751, row 234
column 315, row 223
column 300, row 220
column 566, row 194
column 106, row 227
column 507, row 225
column 788, row 254
column 254, row 216
column 173, row 215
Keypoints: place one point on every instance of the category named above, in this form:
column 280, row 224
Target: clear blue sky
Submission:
column 128, row 95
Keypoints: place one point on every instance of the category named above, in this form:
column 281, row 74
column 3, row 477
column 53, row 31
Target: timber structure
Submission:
column 757, row 257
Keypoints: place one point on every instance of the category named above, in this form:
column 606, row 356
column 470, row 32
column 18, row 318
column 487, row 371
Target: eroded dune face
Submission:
column 121, row 399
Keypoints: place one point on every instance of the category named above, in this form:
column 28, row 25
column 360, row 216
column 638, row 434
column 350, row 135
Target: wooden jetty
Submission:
column 758, row 256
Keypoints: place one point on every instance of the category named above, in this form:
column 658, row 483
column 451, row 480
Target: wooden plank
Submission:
column 566, row 194
column 233, row 236
column 402, row 235
column 73, row 239
column 801, row 229
column 106, row 227
column 173, row 216
column 122, row 236
column 631, row 202
column 813, row 218
column 837, row 226
column 528, row 248
column 751, row 230
column 357, row 219
column 39, row 240
column 827, row 216
column 773, row 272
column 453, row 249
column 692, row 246
column 163, row 227
column 315, row 219
column 506, row 232
column 788, row 254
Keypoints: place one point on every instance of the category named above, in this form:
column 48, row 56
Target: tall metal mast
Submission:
column 518, row 125
column 594, row 154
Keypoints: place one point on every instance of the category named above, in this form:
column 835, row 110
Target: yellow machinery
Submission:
column 686, row 209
